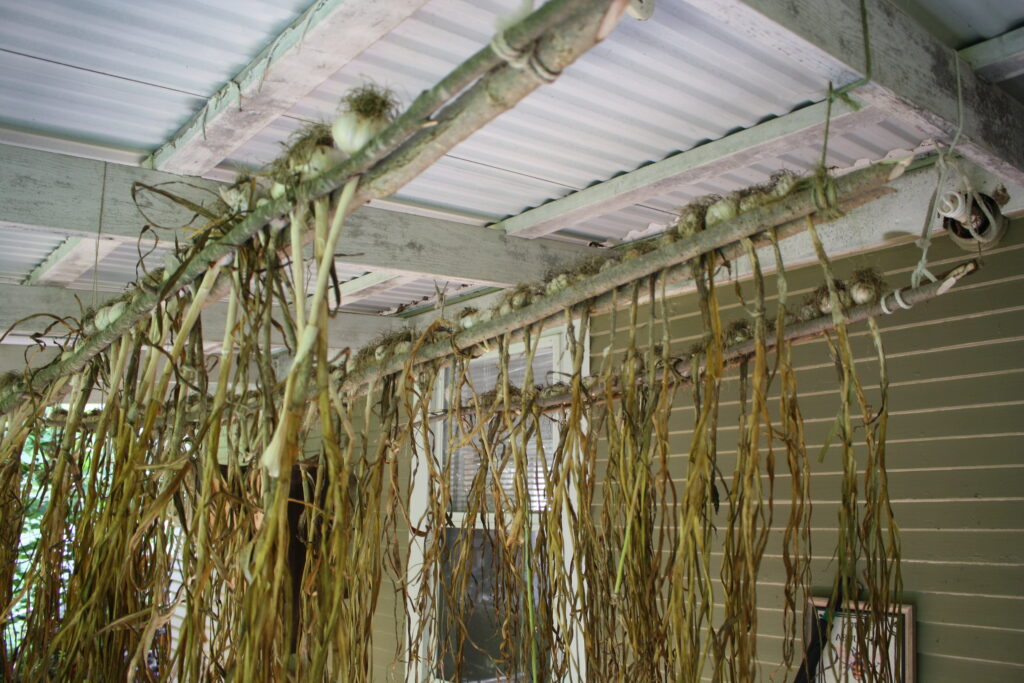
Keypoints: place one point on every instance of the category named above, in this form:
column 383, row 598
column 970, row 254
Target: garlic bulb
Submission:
column 352, row 132
column 557, row 283
column 863, row 293
column 234, row 197
column 368, row 110
column 321, row 159
column 784, row 182
column 722, row 210
column 866, row 286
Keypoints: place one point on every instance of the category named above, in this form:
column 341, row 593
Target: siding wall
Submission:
column 955, row 455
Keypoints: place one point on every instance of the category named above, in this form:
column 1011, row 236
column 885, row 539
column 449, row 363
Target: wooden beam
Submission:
column 402, row 243
column 997, row 59
column 82, row 197
column 493, row 93
column 893, row 218
column 70, row 260
column 20, row 301
column 913, row 77
column 763, row 141
column 325, row 38
column 600, row 291
column 15, row 357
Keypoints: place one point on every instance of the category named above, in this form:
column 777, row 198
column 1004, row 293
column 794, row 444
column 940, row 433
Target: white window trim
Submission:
column 417, row 669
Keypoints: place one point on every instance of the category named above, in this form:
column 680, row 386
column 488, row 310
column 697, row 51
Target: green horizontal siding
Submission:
column 955, row 452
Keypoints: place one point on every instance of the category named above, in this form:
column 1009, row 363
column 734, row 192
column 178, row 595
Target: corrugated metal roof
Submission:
column 122, row 266
column 127, row 74
column 652, row 88
column 414, row 292
column 121, row 72
column 22, row 250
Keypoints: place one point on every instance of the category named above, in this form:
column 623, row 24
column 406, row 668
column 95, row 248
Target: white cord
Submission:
column 899, row 300
column 885, row 309
column 545, row 74
column 517, row 59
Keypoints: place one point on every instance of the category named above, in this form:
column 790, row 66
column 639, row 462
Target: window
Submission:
column 478, row 657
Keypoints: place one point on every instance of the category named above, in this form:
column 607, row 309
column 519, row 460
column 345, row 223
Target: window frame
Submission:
column 419, row 667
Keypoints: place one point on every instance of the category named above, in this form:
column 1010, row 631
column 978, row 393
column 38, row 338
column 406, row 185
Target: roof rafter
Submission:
column 405, row 244
column 86, row 198
column 741, row 149
column 997, row 59
column 325, row 38
column 71, row 260
column 913, row 74
column 370, row 284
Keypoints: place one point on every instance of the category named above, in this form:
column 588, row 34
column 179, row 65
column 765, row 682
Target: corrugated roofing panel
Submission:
column 22, row 250
column 651, row 88
column 871, row 143
column 121, row 267
column 407, row 294
column 121, row 72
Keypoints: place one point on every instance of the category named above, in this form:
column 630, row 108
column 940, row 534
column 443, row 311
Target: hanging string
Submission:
column 924, row 242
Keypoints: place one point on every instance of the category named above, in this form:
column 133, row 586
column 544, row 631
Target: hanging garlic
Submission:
column 467, row 318
column 234, row 197
column 271, row 459
column 824, row 297
column 866, row 286
column 722, row 210
column 557, row 283
column 320, row 159
column 368, row 111
column 783, row 184
column 520, row 299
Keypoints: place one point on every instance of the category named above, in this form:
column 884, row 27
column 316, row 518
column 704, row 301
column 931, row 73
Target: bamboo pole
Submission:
column 598, row 290
column 572, row 28
column 682, row 369
column 887, row 304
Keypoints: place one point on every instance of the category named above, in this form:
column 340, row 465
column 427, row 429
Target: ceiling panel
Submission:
column 124, row 73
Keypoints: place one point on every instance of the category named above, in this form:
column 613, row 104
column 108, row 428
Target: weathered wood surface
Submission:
column 913, row 76
column 86, row 198
column 739, row 150
column 311, row 50
column 491, row 95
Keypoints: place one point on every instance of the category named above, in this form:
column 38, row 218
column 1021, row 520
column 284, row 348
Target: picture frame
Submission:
column 836, row 664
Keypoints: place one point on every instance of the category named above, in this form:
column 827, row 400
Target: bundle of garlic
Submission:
column 368, row 110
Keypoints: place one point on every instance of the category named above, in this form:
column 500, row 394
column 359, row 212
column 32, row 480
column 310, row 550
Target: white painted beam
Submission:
column 16, row 357
column 763, row 141
column 402, row 243
column 72, row 259
column 82, row 197
column 344, row 330
column 325, row 38
column 997, row 59
column 914, row 75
